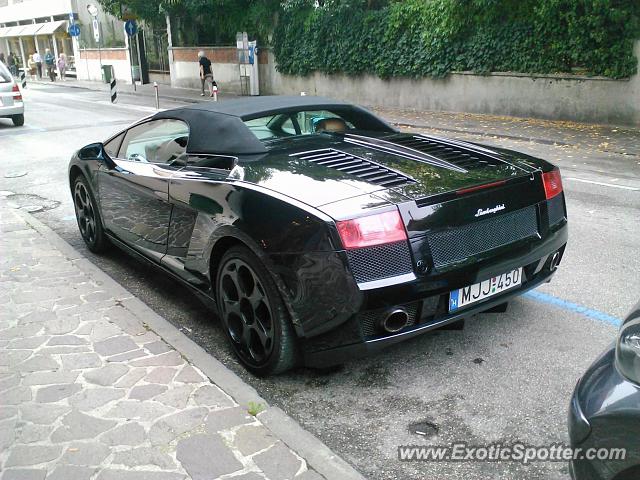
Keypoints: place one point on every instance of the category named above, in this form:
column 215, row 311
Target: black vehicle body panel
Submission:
column 605, row 413
column 283, row 203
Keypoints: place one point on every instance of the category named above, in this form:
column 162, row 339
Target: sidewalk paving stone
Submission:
column 89, row 392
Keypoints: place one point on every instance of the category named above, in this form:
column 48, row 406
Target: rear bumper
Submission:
column 341, row 354
column 15, row 109
column 430, row 299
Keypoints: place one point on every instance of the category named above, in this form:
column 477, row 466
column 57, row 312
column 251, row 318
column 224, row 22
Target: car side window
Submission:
column 157, row 141
column 112, row 146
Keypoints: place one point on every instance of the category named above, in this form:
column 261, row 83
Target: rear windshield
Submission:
column 312, row 122
column 5, row 75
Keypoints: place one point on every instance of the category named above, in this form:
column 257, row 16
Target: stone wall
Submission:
column 563, row 97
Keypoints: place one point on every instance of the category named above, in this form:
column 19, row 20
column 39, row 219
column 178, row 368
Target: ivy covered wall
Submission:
column 419, row 38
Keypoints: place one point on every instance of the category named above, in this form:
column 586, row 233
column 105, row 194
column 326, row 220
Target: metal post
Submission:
column 25, row 63
column 114, row 92
column 133, row 78
column 155, row 86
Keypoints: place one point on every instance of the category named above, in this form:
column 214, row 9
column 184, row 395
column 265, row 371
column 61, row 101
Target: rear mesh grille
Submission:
column 368, row 170
column 452, row 153
column 555, row 207
column 456, row 244
column 369, row 320
column 383, row 261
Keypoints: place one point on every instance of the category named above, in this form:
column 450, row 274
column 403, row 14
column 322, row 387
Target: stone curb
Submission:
column 318, row 456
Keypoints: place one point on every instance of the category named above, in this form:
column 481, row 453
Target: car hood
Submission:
column 327, row 168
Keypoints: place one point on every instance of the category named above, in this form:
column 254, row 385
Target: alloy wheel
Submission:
column 85, row 212
column 246, row 312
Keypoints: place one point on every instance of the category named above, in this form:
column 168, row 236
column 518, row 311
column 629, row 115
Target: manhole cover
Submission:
column 31, row 203
column 15, row 174
column 424, row 428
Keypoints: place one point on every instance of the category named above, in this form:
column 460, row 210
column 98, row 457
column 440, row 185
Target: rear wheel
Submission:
column 253, row 314
column 18, row 120
column 89, row 221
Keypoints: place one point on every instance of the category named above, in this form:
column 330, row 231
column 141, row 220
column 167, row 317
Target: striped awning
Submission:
column 51, row 27
column 30, row 30
column 11, row 31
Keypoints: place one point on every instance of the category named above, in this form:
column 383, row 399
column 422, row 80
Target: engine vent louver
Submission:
column 360, row 167
column 459, row 155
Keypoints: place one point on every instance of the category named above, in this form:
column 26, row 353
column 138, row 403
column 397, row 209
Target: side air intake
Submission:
column 365, row 169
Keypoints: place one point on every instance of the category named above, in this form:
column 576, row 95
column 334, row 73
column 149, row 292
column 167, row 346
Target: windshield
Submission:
column 312, row 122
column 5, row 75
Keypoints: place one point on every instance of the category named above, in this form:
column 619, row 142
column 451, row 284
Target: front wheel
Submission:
column 18, row 120
column 88, row 217
column 253, row 314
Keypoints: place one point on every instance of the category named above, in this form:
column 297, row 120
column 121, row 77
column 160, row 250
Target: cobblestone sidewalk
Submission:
column 89, row 392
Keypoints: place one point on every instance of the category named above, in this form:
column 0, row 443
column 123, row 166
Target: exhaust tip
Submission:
column 555, row 260
column 395, row 321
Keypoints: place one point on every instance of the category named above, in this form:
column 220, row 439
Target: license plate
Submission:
column 488, row 288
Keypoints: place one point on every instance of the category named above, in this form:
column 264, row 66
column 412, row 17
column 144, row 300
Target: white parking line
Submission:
column 624, row 187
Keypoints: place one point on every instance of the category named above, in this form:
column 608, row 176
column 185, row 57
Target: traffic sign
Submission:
column 74, row 30
column 131, row 27
column 96, row 29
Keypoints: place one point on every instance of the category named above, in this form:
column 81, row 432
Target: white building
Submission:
column 27, row 26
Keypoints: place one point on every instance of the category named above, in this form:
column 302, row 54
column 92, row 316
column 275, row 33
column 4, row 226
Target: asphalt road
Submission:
column 504, row 378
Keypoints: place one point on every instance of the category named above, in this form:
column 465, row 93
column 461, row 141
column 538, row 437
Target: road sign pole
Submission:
column 133, row 77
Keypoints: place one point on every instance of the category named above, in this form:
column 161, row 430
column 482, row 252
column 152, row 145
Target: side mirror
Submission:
column 93, row 151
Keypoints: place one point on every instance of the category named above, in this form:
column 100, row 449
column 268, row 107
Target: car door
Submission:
column 198, row 194
column 134, row 190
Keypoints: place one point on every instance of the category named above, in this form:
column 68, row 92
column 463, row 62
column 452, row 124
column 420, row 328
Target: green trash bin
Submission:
column 107, row 71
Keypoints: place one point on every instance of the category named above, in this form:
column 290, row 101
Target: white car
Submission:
column 11, row 104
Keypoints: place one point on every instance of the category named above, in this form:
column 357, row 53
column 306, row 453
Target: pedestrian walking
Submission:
column 11, row 63
column 49, row 61
column 206, row 73
column 62, row 66
column 31, row 65
column 37, row 58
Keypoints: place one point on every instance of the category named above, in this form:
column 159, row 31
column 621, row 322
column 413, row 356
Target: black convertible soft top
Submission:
column 218, row 127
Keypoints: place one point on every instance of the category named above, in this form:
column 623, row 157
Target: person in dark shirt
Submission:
column 206, row 73
column 50, row 62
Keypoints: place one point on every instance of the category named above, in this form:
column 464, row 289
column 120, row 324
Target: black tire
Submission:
column 253, row 314
column 18, row 120
column 88, row 216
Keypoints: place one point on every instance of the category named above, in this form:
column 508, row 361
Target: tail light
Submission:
column 372, row 230
column 16, row 92
column 552, row 182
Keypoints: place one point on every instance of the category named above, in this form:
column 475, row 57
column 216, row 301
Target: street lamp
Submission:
column 92, row 9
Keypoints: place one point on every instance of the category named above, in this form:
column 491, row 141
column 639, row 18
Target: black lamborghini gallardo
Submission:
column 319, row 231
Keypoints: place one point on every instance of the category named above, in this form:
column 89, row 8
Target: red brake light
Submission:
column 552, row 182
column 16, row 92
column 372, row 230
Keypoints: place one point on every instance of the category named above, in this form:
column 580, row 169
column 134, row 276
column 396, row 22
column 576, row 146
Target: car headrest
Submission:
column 335, row 125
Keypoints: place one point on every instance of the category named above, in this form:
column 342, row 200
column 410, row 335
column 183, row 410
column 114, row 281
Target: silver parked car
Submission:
column 11, row 104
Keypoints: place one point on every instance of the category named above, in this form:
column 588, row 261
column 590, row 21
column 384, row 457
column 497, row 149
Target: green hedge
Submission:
column 419, row 38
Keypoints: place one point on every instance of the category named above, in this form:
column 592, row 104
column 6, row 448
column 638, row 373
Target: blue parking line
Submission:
column 573, row 307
